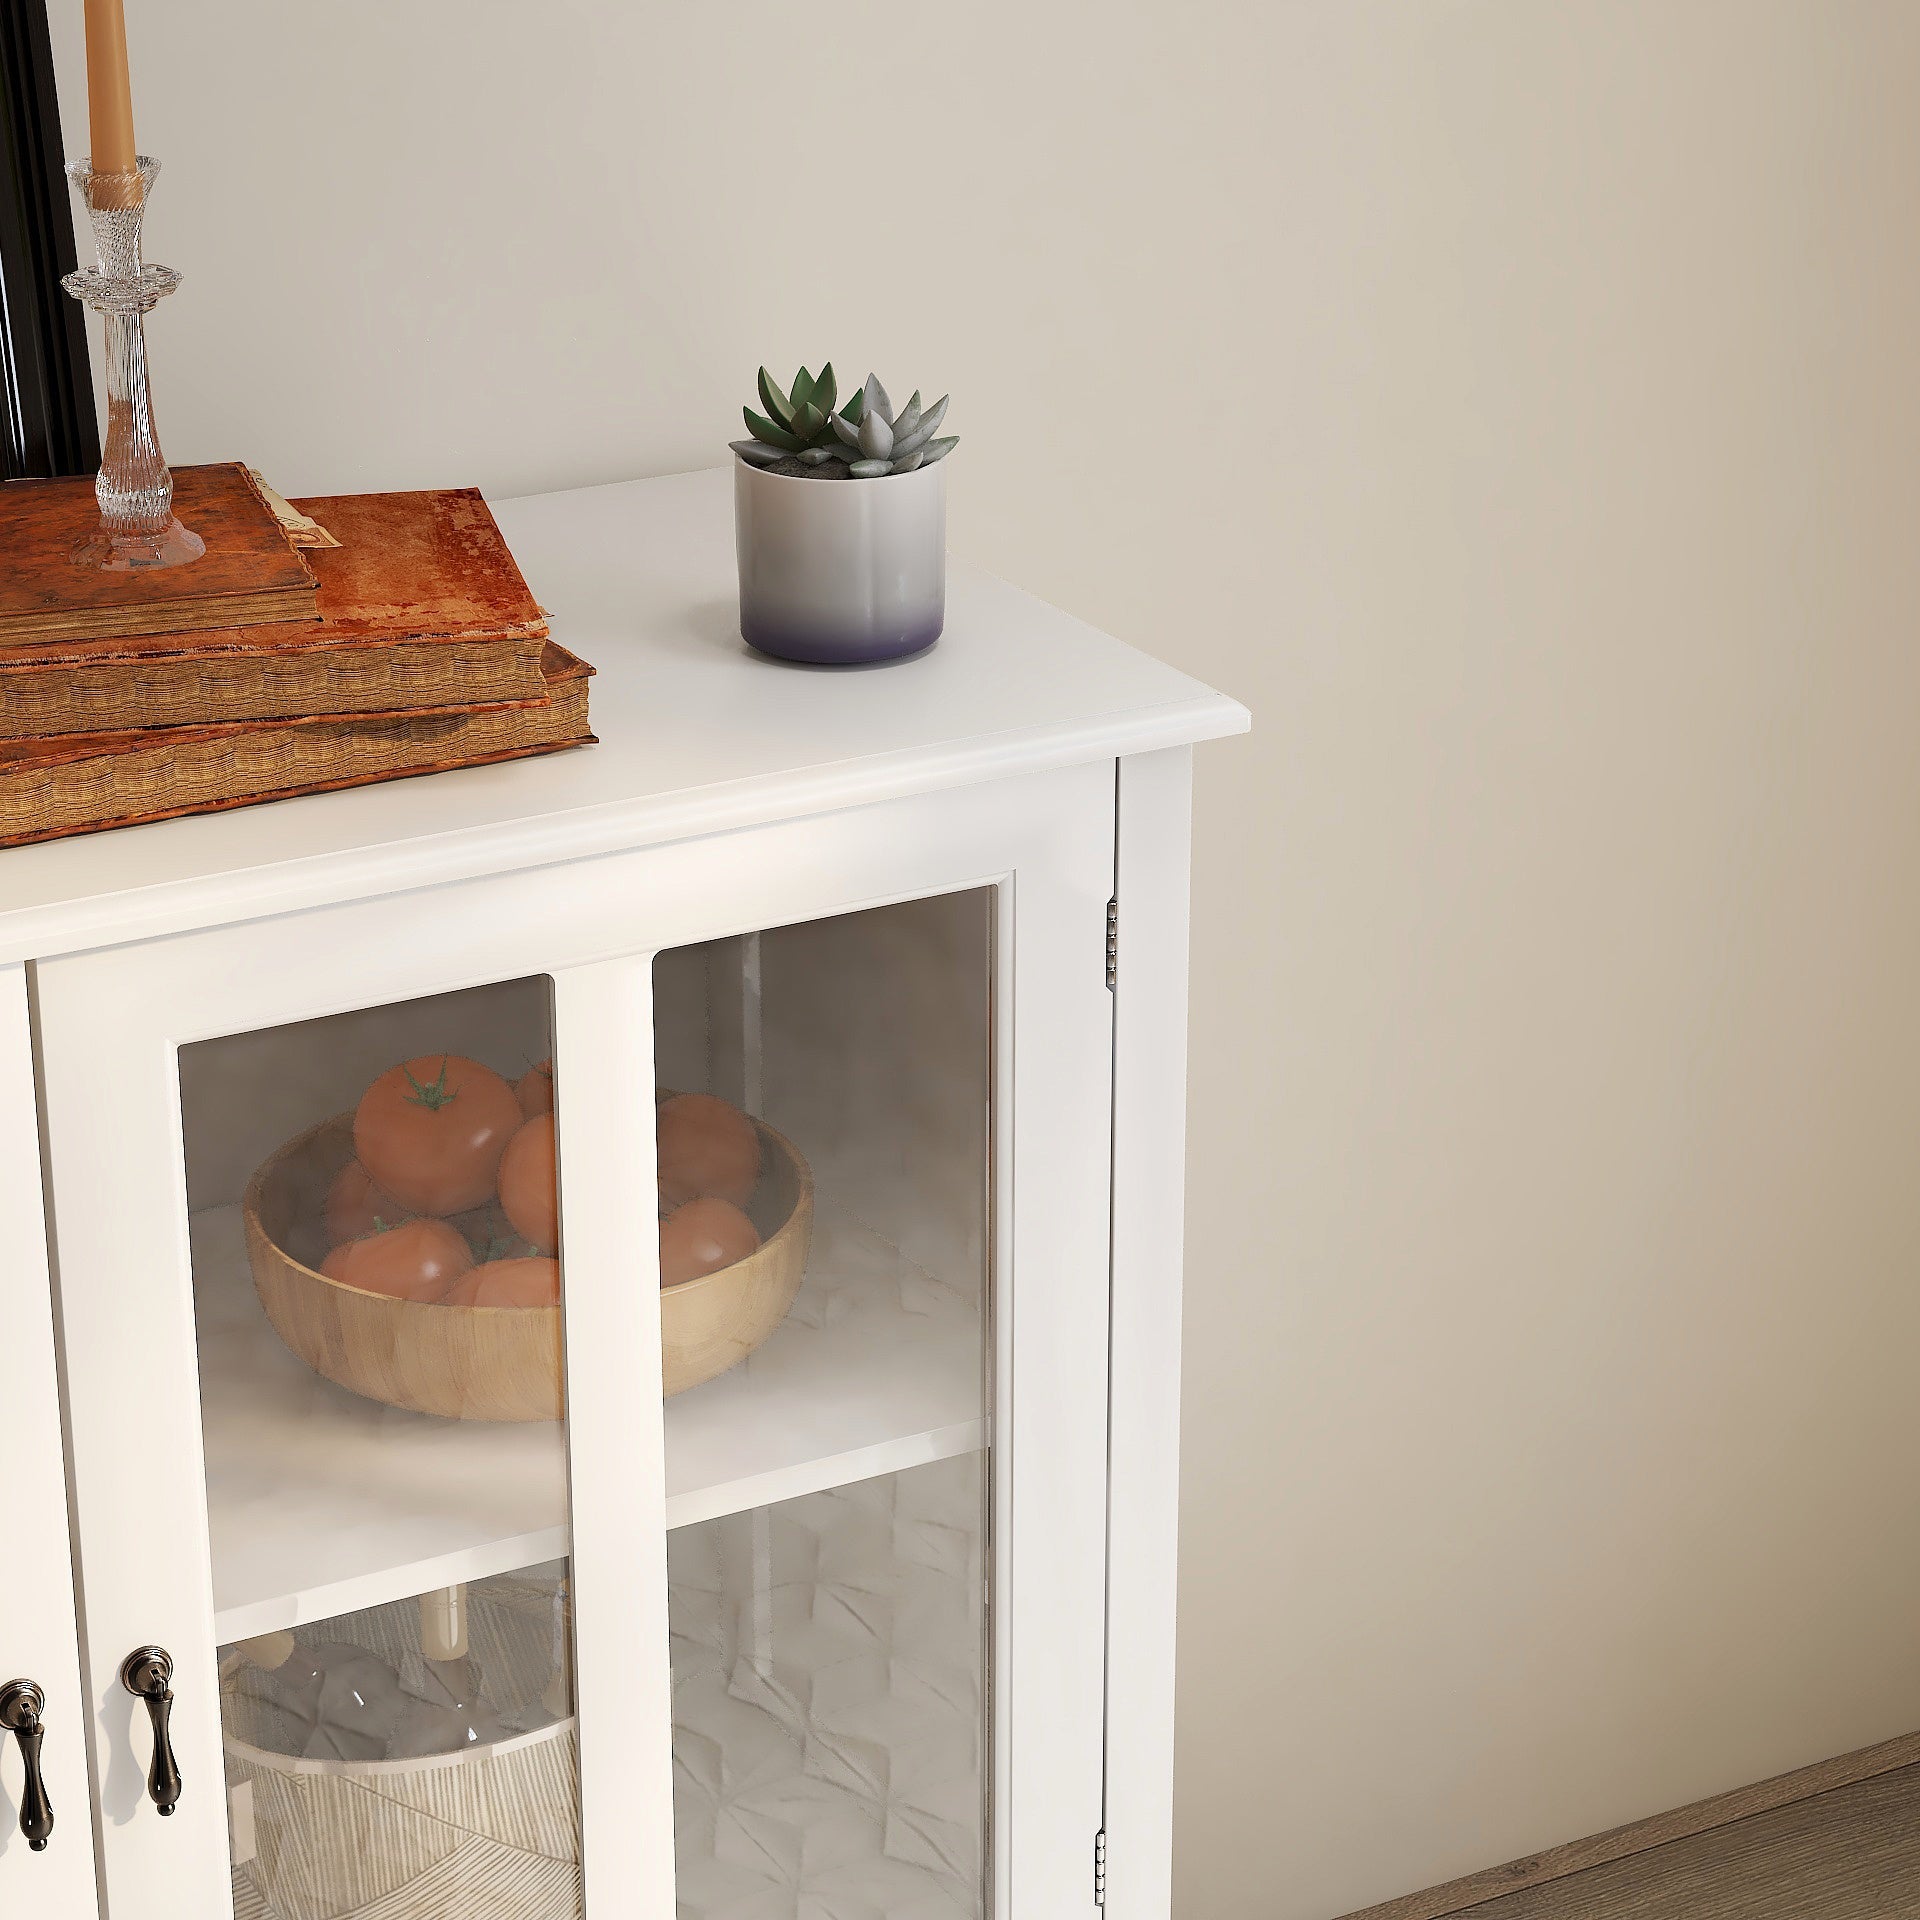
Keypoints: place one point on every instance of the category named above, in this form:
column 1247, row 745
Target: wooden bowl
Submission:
column 499, row 1363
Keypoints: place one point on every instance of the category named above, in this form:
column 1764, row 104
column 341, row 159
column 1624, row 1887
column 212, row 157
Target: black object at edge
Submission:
column 46, row 386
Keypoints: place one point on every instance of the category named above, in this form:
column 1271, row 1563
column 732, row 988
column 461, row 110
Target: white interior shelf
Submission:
column 320, row 1502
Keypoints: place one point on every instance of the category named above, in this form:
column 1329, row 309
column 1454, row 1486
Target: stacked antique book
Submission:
column 330, row 643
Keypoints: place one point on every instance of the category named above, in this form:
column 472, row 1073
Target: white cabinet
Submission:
column 838, row 1577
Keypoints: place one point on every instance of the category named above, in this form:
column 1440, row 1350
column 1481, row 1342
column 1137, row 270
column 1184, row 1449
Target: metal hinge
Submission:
column 1113, row 942
column 1100, row 1868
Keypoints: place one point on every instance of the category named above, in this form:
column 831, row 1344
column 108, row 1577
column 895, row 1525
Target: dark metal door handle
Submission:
column 145, row 1673
column 21, row 1706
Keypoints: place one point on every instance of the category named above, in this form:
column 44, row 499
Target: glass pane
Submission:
column 377, row 1299
column 828, row 1462
column 829, row 1701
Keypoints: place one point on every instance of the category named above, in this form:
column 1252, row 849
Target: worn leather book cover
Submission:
column 420, row 605
column 249, row 574
column 81, row 782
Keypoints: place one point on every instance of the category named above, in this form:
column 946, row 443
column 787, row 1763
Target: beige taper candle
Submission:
column 109, row 94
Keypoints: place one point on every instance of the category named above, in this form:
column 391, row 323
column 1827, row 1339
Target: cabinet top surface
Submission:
column 697, row 733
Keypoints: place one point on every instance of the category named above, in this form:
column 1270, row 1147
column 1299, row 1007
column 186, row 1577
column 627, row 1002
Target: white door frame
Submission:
column 111, row 1024
column 38, row 1629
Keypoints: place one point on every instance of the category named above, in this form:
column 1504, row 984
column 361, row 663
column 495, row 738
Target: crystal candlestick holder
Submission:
column 137, row 528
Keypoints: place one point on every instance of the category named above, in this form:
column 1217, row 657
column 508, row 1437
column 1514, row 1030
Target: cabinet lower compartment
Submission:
column 391, row 1792
column 829, row 1732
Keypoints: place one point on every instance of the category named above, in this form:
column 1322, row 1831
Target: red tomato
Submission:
column 534, row 1089
column 417, row 1260
column 706, row 1146
column 356, row 1207
column 529, row 1183
column 530, row 1282
column 702, row 1237
column 431, row 1132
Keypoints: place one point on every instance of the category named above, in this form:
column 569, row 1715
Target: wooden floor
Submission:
column 1838, row 1840
column 1849, row 1854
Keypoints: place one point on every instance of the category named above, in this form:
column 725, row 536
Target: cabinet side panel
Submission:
column 1149, row 1156
column 38, row 1630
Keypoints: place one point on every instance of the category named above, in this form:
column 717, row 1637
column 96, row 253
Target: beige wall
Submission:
column 1514, row 401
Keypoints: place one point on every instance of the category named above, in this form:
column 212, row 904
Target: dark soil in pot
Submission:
column 798, row 469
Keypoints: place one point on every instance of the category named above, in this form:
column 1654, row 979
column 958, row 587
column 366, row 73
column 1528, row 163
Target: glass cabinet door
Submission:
column 330, row 1421
column 595, row 1381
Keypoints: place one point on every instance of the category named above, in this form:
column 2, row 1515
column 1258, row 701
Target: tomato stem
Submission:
column 431, row 1094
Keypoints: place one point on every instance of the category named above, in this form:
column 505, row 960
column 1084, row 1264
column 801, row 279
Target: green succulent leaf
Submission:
column 816, row 456
column 825, row 389
column 756, row 453
column 855, row 407
column 763, row 429
column 908, row 439
column 802, row 387
column 779, row 407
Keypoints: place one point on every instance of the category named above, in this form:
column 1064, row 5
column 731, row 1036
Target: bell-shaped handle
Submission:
column 21, row 1706
column 145, row 1673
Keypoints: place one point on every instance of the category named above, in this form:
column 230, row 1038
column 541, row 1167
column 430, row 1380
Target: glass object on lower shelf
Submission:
column 418, row 1756
column 830, row 1687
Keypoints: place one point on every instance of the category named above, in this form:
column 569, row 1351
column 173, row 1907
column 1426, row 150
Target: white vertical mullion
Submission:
column 1149, row 1157
column 37, row 1626
column 603, row 1079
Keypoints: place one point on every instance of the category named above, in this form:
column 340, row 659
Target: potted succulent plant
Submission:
column 840, row 520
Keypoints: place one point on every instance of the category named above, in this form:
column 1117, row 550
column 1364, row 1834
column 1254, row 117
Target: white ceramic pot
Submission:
column 841, row 573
